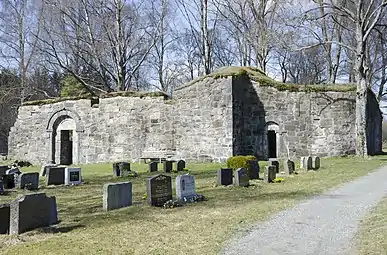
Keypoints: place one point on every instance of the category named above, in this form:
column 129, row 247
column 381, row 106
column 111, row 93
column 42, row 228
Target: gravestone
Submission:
column 159, row 189
column 153, row 166
column 4, row 219
column 303, row 163
column 53, row 210
column 3, row 170
column 117, row 195
column 242, row 177
column 124, row 168
column 180, row 165
column 55, row 176
column 73, row 176
column 43, row 169
column 289, row 166
column 13, row 171
column 269, row 174
column 316, row 163
column 167, row 166
column 28, row 181
column 253, row 168
column 116, row 170
column 9, row 181
column 185, row 187
column 309, row 163
column 225, row 176
column 274, row 162
column 1, row 187
column 31, row 211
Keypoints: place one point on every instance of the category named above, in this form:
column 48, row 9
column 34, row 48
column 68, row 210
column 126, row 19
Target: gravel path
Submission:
column 324, row 224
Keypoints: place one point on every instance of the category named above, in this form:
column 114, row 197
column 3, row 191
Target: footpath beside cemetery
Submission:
column 181, row 207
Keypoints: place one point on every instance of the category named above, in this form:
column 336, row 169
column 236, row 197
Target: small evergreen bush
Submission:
column 236, row 162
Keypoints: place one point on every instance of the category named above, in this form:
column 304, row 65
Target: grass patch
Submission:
column 257, row 75
column 200, row 228
column 372, row 234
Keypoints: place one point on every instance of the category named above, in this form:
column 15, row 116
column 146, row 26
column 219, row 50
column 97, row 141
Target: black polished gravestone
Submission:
column 4, row 218
column 225, row 176
column 3, row 170
column 55, row 176
column 253, row 168
column 158, row 189
column 1, row 187
column 153, row 166
column 9, row 181
column 180, row 165
column 167, row 166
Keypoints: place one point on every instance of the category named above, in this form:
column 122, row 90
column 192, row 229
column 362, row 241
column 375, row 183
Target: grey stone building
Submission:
column 210, row 119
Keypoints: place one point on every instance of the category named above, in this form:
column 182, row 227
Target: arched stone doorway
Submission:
column 272, row 139
column 64, row 130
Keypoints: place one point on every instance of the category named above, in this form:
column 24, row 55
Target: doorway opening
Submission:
column 272, row 144
column 66, row 147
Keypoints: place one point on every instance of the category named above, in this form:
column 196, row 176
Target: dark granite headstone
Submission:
column 159, row 189
column 55, row 176
column 270, row 173
column 167, row 166
column 9, row 181
column 180, row 165
column 274, row 162
column 1, row 187
column 153, row 166
column 289, row 166
column 28, row 181
column 124, row 168
column 225, row 176
column 242, row 177
column 309, row 163
column 116, row 195
column 3, row 169
column 4, row 219
column 316, row 163
column 53, row 210
column 31, row 211
column 43, row 169
column 253, row 168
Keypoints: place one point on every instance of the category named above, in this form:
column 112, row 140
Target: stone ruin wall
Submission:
column 207, row 121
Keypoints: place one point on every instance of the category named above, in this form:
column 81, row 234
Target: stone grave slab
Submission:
column 3, row 170
column 270, row 173
column 1, row 187
column 4, row 219
column 124, row 168
column 159, row 189
column 309, row 163
column 117, row 195
column 55, row 176
column 9, row 181
column 167, row 166
column 30, row 212
column 225, row 176
column 180, row 165
column 289, row 167
column 153, row 166
column 253, row 168
column 185, row 187
column 43, row 169
column 73, row 176
column 274, row 162
column 315, row 162
column 116, row 170
column 242, row 177
column 303, row 163
column 28, row 181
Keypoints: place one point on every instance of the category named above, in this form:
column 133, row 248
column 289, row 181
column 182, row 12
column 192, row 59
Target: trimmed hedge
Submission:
column 236, row 162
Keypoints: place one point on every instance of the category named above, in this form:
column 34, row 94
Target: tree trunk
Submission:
column 205, row 38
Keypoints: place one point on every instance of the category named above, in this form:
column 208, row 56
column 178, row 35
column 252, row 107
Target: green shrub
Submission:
column 239, row 161
column 278, row 180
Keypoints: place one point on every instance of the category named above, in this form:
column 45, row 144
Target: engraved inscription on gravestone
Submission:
column 73, row 176
column 159, row 189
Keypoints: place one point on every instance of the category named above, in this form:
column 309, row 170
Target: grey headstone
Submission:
column 303, row 162
column 53, row 210
column 158, row 189
column 274, row 162
column 180, row 165
column 73, row 175
column 270, row 173
column 124, row 168
column 153, row 166
column 289, row 166
column 253, row 168
column 116, row 170
column 167, row 166
column 225, row 176
column 4, row 219
column 43, row 169
column 185, row 187
column 316, row 163
column 29, row 212
column 309, row 163
column 55, row 176
column 117, row 195
column 242, row 177
column 28, row 181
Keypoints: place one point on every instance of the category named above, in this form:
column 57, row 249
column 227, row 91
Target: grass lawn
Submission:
column 372, row 234
column 200, row 228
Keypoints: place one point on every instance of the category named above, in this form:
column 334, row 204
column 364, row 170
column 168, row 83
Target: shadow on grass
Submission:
column 64, row 229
